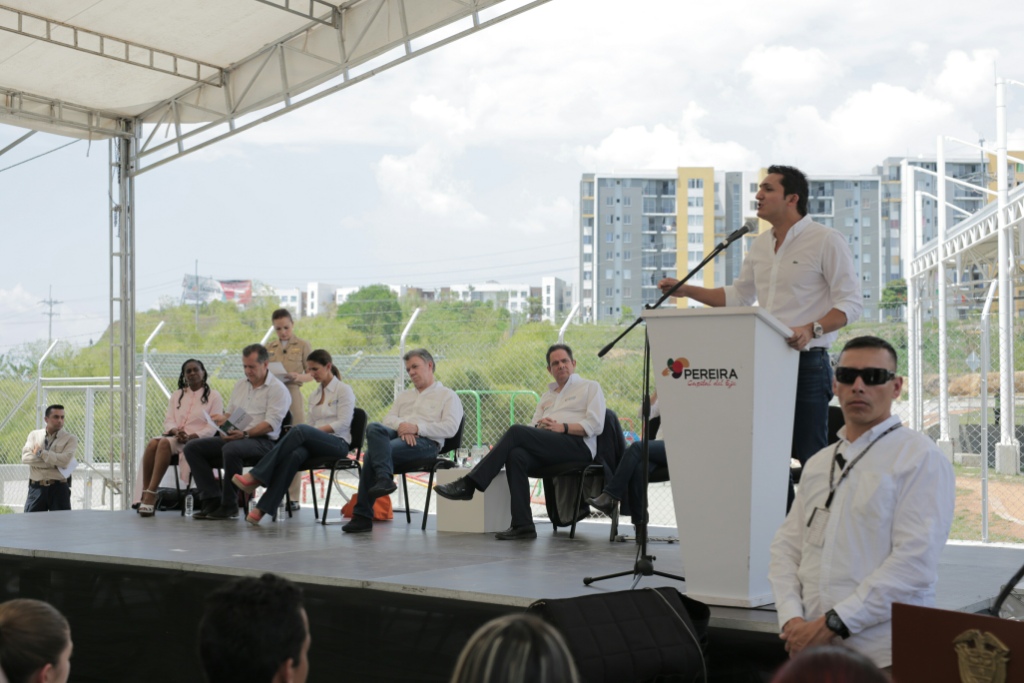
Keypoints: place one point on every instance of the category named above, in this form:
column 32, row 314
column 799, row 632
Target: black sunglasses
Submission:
column 871, row 376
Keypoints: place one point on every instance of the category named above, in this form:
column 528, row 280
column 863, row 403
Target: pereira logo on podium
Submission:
column 700, row 377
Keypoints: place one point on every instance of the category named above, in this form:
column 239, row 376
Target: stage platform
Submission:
column 132, row 587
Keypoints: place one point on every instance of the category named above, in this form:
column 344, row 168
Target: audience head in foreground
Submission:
column 35, row 642
column 255, row 631
column 516, row 648
column 830, row 664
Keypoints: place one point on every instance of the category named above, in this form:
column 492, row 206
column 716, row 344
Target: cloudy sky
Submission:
column 463, row 165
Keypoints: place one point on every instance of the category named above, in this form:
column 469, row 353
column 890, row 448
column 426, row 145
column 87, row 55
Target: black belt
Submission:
column 45, row 482
column 815, row 349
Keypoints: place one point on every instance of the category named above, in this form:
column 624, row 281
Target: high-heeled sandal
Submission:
column 254, row 517
column 147, row 509
column 245, row 482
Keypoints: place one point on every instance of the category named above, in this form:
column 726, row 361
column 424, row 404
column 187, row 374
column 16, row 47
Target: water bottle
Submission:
column 251, row 505
column 189, row 505
column 280, row 511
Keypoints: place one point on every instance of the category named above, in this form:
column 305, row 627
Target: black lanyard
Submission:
column 846, row 470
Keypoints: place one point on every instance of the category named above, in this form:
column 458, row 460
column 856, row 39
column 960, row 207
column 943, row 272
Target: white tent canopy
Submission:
column 197, row 70
column 163, row 78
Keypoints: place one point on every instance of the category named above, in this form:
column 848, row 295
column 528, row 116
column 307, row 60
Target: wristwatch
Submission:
column 245, row 435
column 816, row 329
column 836, row 625
column 565, row 427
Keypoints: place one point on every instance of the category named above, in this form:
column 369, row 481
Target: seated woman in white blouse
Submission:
column 328, row 433
column 187, row 418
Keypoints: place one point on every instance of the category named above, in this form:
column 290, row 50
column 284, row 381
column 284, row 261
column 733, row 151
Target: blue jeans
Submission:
column 383, row 451
column 278, row 467
column 810, row 420
column 628, row 476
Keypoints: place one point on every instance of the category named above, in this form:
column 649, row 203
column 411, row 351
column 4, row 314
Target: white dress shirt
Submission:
column 268, row 402
column 436, row 411
column 888, row 523
column 810, row 274
column 581, row 401
column 336, row 410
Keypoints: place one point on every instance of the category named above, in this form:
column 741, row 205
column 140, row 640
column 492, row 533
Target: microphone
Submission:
column 736, row 234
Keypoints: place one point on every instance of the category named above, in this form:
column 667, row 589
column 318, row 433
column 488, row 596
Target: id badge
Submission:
column 816, row 527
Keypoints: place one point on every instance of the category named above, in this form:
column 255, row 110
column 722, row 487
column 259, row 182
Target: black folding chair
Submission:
column 430, row 465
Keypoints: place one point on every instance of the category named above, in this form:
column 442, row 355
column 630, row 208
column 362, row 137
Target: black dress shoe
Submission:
column 460, row 489
column 384, row 487
column 358, row 525
column 515, row 533
column 224, row 512
column 208, row 507
column 604, row 503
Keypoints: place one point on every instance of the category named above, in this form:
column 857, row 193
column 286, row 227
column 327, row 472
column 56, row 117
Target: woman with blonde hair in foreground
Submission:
column 35, row 642
column 516, row 648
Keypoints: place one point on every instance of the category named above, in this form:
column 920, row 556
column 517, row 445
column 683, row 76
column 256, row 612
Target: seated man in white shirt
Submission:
column 415, row 428
column 869, row 522
column 564, row 429
column 266, row 401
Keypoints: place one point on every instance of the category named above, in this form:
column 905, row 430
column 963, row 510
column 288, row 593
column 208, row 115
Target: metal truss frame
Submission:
column 130, row 52
column 57, row 116
column 296, row 66
column 979, row 228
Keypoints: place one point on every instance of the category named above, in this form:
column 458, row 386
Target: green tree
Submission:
column 895, row 294
column 536, row 308
column 374, row 311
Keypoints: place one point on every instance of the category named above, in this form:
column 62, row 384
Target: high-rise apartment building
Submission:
column 556, row 298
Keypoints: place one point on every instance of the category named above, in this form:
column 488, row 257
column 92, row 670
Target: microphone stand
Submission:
column 644, row 564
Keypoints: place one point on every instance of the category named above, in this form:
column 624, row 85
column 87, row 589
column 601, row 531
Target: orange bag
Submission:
column 382, row 511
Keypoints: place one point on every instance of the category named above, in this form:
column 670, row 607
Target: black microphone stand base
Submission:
column 644, row 567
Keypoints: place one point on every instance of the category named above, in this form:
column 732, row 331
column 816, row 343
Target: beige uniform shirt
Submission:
column 293, row 358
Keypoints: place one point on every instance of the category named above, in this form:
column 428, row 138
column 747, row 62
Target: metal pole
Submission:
column 267, row 335
column 141, row 433
column 39, row 385
column 940, row 220
column 1007, row 442
column 910, row 210
column 400, row 380
column 568, row 319
column 985, row 363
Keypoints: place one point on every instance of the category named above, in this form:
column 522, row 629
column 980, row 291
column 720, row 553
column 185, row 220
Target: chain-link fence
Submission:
column 499, row 373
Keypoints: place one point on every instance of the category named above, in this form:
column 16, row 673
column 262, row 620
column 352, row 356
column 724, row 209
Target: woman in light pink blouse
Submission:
column 187, row 419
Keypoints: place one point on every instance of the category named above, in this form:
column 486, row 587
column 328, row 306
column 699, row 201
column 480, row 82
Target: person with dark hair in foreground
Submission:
column 35, row 642
column 255, row 631
column 564, row 429
column 515, row 648
column 830, row 664
column 47, row 451
column 870, row 520
column 802, row 273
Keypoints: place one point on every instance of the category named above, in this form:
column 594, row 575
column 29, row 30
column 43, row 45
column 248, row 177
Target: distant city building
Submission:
column 513, row 297
column 292, row 298
column 319, row 296
column 556, row 297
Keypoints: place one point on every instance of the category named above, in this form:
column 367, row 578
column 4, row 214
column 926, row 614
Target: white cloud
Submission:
column 870, row 125
column 781, row 73
column 545, row 218
column 968, row 79
column 424, row 182
column 665, row 147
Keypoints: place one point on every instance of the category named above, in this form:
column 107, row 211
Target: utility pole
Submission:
column 51, row 303
column 197, row 294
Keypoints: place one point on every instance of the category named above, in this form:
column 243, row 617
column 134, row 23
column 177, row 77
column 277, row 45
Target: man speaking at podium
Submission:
column 870, row 520
column 802, row 272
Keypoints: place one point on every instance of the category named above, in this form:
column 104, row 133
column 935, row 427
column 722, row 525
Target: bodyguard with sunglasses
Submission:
column 869, row 521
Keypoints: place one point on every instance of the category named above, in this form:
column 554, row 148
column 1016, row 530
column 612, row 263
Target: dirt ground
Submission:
column 1006, row 509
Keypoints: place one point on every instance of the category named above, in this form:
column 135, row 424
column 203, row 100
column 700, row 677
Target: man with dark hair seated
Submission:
column 255, row 631
column 564, row 429
column 265, row 401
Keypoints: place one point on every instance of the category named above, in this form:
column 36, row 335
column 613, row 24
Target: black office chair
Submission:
column 611, row 443
column 430, row 465
column 335, row 463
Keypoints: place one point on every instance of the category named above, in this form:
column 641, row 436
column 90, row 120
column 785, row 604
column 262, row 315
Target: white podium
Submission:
column 490, row 510
column 727, row 405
